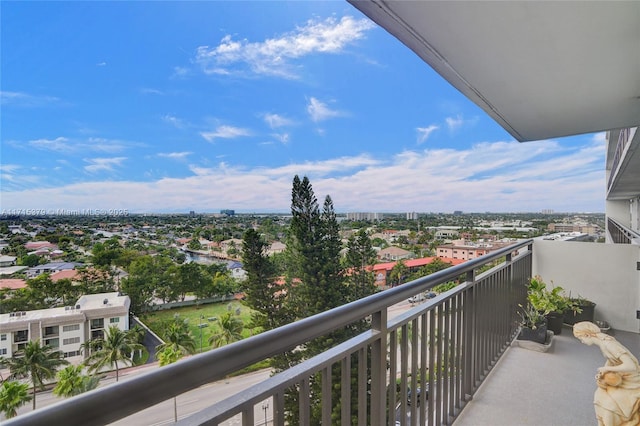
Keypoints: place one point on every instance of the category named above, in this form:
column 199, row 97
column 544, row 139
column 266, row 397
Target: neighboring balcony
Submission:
column 457, row 346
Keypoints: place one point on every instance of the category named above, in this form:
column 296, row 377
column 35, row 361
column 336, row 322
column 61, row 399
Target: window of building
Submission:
column 54, row 343
column 71, row 341
column 114, row 320
column 72, row 327
column 97, row 323
column 70, row 354
column 51, row 331
column 3, row 337
column 3, row 351
column 20, row 336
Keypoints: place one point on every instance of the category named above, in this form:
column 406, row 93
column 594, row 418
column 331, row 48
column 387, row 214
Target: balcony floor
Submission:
column 553, row 388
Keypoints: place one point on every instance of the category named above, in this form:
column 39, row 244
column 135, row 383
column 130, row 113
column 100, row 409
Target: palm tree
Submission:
column 38, row 363
column 12, row 396
column 230, row 331
column 72, row 381
column 116, row 346
column 168, row 355
column 176, row 335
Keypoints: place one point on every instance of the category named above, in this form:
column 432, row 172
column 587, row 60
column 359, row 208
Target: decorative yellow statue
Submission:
column 617, row 397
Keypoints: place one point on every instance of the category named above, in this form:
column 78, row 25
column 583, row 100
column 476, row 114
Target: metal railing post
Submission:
column 379, row 368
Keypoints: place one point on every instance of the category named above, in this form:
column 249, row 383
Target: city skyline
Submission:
column 203, row 106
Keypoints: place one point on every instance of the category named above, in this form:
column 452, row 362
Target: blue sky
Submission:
column 179, row 106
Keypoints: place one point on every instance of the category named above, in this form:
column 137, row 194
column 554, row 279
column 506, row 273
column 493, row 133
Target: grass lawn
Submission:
column 202, row 314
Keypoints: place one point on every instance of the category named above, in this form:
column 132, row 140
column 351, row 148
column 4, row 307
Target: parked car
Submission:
column 422, row 296
column 417, row 298
column 418, row 393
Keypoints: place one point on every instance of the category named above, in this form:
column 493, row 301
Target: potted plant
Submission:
column 550, row 302
column 533, row 324
column 579, row 309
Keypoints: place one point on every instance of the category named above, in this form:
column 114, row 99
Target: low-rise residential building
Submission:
column 12, row 283
column 467, row 250
column 7, row 261
column 381, row 271
column 394, row 253
column 49, row 268
column 64, row 328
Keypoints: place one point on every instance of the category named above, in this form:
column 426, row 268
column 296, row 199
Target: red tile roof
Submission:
column 12, row 283
column 68, row 273
column 416, row 263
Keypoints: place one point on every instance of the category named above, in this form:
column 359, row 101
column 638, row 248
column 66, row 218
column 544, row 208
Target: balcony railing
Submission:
column 445, row 346
column 620, row 234
column 623, row 139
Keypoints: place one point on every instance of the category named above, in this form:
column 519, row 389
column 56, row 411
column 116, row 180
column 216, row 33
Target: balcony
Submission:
column 463, row 335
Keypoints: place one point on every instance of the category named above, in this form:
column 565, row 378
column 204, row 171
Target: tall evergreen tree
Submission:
column 314, row 260
column 359, row 258
column 264, row 292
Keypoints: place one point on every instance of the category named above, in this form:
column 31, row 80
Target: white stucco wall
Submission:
column 604, row 273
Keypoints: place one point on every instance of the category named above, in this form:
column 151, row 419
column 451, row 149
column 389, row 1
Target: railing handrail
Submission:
column 114, row 402
column 632, row 236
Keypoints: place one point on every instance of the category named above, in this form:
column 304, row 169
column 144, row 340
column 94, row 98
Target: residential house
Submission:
column 7, row 261
column 394, row 253
column 49, row 268
column 12, row 283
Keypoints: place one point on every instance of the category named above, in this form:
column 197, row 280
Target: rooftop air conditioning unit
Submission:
column 12, row 314
column 105, row 301
column 77, row 306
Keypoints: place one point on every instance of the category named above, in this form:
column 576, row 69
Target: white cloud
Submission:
column 180, row 72
column 275, row 120
column 424, row 132
column 320, row 111
column 491, row 176
column 59, row 144
column 26, row 99
column 275, row 56
column 151, row 91
column 9, row 168
column 103, row 164
column 66, row 145
column 281, row 137
column 174, row 121
column 175, row 155
column 101, row 64
column 225, row 132
column 454, row 123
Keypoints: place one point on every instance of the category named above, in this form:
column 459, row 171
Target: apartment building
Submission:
column 467, row 250
column 64, row 328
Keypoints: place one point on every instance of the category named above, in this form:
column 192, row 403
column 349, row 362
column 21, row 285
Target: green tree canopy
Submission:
column 72, row 381
column 13, row 395
column 229, row 330
column 37, row 363
column 114, row 349
column 177, row 336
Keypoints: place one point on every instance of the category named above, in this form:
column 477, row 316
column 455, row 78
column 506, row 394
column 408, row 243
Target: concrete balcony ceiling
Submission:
column 540, row 69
